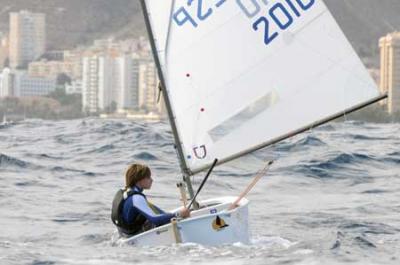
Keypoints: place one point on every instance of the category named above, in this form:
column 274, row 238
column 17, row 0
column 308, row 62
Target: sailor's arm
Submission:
column 158, row 219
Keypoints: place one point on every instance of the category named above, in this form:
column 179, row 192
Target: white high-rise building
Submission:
column 90, row 84
column 148, row 87
column 27, row 39
column 7, row 83
column 3, row 50
column 127, row 97
column 110, row 82
column 390, row 70
column 120, row 82
column 97, row 83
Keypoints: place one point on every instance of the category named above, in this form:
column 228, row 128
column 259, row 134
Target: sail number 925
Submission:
column 279, row 17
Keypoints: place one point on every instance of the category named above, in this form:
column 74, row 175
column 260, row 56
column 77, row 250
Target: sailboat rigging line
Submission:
column 203, row 182
column 258, row 176
column 298, row 131
column 184, row 168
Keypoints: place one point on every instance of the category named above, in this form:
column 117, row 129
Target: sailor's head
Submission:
column 139, row 175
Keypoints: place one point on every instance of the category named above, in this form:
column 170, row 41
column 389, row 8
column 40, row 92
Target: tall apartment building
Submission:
column 127, row 96
column 6, row 83
column 148, row 86
column 3, row 50
column 27, row 39
column 110, row 81
column 390, row 70
column 97, row 87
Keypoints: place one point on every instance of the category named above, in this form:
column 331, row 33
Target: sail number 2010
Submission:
column 279, row 15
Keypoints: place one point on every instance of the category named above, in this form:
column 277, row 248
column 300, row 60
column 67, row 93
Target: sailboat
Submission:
column 5, row 123
column 241, row 75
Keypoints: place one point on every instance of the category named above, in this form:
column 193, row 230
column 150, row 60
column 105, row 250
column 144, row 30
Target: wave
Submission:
column 101, row 149
column 342, row 163
column 110, row 127
column 45, row 156
column 344, row 241
column 146, row 156
column 80, row 172
column 369, row 228
column 6, row 161
column 342, row 159
column 352, row 234
column 363, row 137
column 306, row 142
column 393, row 157
column 43, row 262
column 310, row 141
column 95, row 238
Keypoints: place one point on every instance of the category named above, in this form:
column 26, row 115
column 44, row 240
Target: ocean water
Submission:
column 332, row 196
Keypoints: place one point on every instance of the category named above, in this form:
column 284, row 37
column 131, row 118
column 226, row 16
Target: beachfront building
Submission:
column 110, row 83
column 390, row 70
column 3, row 50
column 27, row 38
column 6, row 83
column 127, row 96
column 27, row 86
column 148, row 87
column 96, row 83
column 51, row 69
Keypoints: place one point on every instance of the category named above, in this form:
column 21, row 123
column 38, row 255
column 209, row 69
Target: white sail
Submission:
column 241, row 74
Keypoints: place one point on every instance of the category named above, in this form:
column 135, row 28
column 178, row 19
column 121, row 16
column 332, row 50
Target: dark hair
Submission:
column 135, row 173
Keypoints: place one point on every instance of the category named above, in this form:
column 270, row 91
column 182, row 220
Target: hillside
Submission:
column 73, row 22
column 365, row 21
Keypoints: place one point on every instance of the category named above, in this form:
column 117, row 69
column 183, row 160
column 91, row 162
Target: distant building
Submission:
column 75, row 57
column 26, row 86
column 27, row 39
column 148, row 87
column 74, row 88
column 97, row 80
column 7, row 83
column 3, row 50
column 390, row 70
column 53, row 55
column 51, row 69
column 120, row 76
column 110, row 83
column 127, row 97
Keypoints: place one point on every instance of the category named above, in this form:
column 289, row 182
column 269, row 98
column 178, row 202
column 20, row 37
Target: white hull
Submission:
column 199, row 227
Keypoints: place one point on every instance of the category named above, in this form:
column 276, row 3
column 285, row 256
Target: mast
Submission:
column 178, row 144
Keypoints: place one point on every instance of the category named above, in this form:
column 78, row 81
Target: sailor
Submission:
column 132, row 213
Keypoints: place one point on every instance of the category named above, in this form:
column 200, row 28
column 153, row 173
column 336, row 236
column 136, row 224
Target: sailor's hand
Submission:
column 184, row 213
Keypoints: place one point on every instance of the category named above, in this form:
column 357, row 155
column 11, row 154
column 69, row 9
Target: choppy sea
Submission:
column 332, row 196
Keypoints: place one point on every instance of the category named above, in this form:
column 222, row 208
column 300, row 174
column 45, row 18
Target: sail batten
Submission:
column 240, row 77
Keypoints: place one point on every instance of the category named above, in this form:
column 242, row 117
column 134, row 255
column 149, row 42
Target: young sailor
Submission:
column 135, row 213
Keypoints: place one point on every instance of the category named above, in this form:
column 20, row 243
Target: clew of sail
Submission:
column 243, row 74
